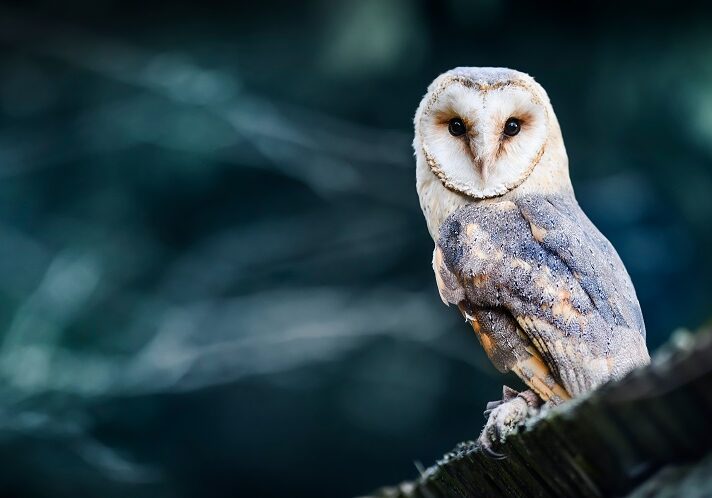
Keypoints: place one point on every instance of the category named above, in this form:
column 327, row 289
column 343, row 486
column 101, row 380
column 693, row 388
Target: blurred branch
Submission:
column 295, row 141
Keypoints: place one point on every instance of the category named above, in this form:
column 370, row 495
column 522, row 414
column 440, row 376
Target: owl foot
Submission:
column 504, row 417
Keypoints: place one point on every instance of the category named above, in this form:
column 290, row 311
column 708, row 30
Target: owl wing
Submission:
column 546, row 293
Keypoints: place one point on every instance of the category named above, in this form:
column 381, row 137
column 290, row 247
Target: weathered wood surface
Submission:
column 606, row 444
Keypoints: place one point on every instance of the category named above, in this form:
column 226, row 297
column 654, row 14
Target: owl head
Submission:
column 483, row 131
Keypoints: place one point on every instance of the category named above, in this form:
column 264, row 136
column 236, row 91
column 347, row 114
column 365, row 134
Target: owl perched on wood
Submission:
column 545, row 292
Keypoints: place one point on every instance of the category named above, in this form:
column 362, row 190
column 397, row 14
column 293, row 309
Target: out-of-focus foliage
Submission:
column 214, row 275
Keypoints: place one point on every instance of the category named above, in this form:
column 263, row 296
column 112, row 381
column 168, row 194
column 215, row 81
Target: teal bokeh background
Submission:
column 215, row 276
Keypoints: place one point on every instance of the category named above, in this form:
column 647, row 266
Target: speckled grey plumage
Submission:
column 533, row 271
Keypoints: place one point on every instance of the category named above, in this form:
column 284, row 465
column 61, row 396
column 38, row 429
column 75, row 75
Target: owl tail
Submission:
column 536, row 374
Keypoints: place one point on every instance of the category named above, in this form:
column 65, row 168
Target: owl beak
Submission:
column 477, row 147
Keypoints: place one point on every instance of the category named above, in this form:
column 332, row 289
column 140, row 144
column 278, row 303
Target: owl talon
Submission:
column 486, row 449
column 504, row 418
column 491, row 405
column 507, row 394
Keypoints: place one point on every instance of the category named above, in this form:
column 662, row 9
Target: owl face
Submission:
column 482, row 131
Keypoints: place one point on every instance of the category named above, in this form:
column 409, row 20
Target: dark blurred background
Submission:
column 215, row 276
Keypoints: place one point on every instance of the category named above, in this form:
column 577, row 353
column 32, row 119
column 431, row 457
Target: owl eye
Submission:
column 512, row 127
column 456, row 127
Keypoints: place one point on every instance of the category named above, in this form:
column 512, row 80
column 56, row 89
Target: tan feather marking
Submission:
column 479, row 253
column 563, row 308
column 504, row 205
column 544, row 282
column 474, row 232
column 484, row 87
column 534, row 372
column 538, row 232
column 487, row 344
column 520, row 263
column 479, row 280
column 475, row 325
column 486, row 341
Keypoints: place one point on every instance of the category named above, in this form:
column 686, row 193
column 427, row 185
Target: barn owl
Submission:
column 545, row 292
